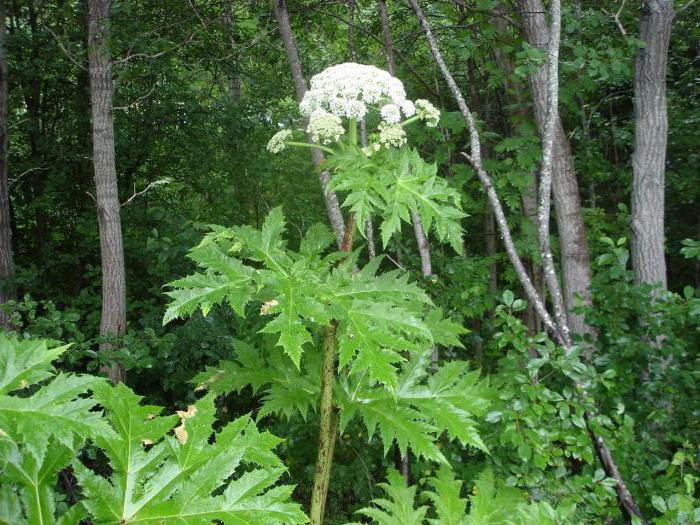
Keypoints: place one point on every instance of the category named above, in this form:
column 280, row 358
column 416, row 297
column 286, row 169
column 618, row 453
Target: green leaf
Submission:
column 41, row 428
column 449, row 507
column 398, row 506
column 195, row 476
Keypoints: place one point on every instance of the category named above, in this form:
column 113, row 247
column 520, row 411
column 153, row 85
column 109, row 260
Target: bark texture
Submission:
column 575, row 258
column 650, row 138
column 285, row 29
column 113, row 321
column 7, row 265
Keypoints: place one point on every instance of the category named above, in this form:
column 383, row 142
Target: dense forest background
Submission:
column 96, row 222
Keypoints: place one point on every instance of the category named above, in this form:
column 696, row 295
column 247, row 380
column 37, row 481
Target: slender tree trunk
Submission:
column 650, row 137
column 7, row 265
column 285, row 29
column 352, row 46
column 514, row 98
column 575, row 259
column 386, row 34
column 113, row 321
column 32, row 98
column 233, row 75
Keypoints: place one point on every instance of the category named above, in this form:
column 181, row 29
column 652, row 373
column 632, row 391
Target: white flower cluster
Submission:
column 349, row 90
column 427, row 113
column 324, row 127
column 391, row 135
column 391, row 114
column 276, row 143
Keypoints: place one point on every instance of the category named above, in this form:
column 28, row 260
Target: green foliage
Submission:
column 691, row 249
column 44, row 418
column 380, row 318
column 379, row 315
column 491, row 503
column 422, row 407
column 196, row 475
column 393, row 184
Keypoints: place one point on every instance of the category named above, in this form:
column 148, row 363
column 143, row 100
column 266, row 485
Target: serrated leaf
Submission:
column 172, row 481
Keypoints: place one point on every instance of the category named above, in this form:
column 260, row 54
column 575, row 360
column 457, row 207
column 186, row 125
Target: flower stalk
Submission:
column 312, row 146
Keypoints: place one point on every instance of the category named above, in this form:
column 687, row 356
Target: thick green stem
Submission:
column 408, row 121
column 352, row 131
column 312, row 146
column 329, row 425
column 327, row 412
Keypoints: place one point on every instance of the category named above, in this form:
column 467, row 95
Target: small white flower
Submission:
column 276, row 143
column 391, row 113
column 427, row 113
column 408, row 108
column 391, row 135
column 324, row 127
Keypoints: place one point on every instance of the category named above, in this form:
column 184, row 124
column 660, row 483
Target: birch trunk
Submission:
column 7, row 265
column 575, row 259
column 285, row 29
column 113, row 321
column 650, row 138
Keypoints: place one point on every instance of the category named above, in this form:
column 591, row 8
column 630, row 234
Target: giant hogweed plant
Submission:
column 353, row 342
column 150, row 469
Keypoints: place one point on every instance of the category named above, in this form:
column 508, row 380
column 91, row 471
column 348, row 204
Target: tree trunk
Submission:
column 650, row 137
column 285, row 29
column 7, row 265
column 514, row 98
column 113, row 321
column 233, row 76
column 575, row 259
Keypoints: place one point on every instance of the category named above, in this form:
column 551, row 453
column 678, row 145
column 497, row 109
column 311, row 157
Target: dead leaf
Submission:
column 265, row 309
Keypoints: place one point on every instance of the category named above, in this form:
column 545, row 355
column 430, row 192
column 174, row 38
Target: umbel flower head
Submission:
column 276, row 143
column 427, row 113
column 324, row 127
column 349, row 90
column 391, row 135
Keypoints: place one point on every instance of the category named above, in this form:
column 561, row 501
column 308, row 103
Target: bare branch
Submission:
column 686, row 6
column 625, row 499
column 512, row 251
column 16, row 179
column 616, row 17
column 153, row 184
column 65, row 51
column 135, row 102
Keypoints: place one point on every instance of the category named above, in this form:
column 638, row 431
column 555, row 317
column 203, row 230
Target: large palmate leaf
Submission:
column 193, row 477
column 394, row 185
column 422, row 407
column 285, row 390
column 41, row 428
column 380, row 316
